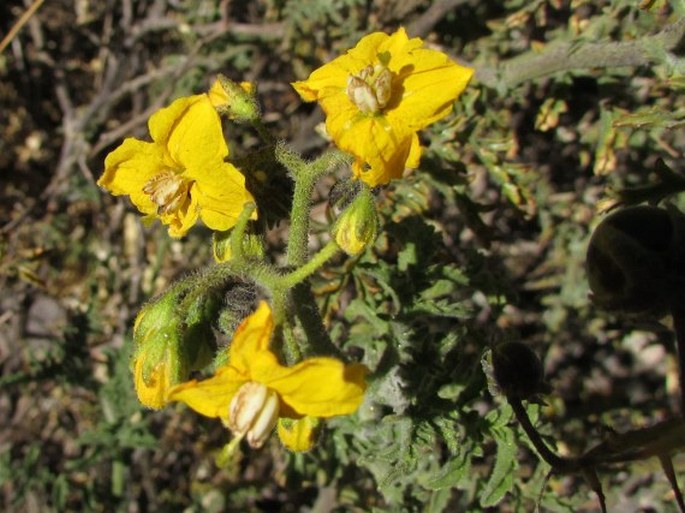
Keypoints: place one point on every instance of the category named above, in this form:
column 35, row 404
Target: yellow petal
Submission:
column 299, row 435
column 218, row 95
column 305, row 90
column 220, row 193
column 251, row 338
column 414, row 153
column 425, row 84
column 196, row 143
column 151, row 392
column 129, row 167
column 430, row 83
column 210, row 397
column 190, row 129
column 365, row 51
column 398, row 43
column 318, row 387
column 331, row 79
column 375, row 145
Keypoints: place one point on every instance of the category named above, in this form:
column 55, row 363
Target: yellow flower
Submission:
column 253, row 390
column 379, row 95
column 181, row 176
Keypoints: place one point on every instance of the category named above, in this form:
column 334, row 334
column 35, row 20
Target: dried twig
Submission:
column 23, row 19
column 424, row 23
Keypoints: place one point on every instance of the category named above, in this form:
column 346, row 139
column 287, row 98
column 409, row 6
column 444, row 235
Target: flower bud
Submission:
column 517, row 370
column 237, row 101
column 157, row 360
column 634, row 260
column 253, row 412
column 357, row 226
column 221, row 246
column 299, row 435
column 172, row 336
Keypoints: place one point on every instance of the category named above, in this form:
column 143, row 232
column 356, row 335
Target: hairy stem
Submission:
column 305, row 176
column 238, row 235
column 305, row 271
column 308, row 312
column 575, row 55
column 558, row 463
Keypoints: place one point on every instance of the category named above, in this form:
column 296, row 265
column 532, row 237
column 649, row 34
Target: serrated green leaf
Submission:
column 652, row 117
column 451, row 474
column 499, row 417
column 358, row 308
column 438, row 501
column 439, row 288
column 502, row 477
column 441, row 309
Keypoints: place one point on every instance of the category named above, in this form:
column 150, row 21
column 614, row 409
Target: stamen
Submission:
column 371, row 89
column 253, row 412
column 168, row 190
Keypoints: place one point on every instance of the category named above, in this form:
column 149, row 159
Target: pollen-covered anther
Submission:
column 168, row 190
column 371, row 89
column 253, row 413
column 383, row 87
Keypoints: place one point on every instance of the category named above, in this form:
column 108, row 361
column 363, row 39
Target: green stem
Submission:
column 238, row 234
column 281, row 287
column 300, row 274
column 305, row 176
column 584, row 55
column 307, row 311
column 291, row 348
column 556, row 462
column 667, row 465
column 279, row 299
column 298, row 237
column 262, row 131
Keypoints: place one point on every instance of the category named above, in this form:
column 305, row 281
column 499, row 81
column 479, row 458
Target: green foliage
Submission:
column 484, row 243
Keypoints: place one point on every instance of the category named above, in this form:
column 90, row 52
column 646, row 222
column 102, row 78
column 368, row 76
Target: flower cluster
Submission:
column 376, row 99
column 253, row 390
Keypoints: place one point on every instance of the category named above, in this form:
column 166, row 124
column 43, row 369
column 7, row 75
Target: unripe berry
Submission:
column 517, row 370
column 633, row 260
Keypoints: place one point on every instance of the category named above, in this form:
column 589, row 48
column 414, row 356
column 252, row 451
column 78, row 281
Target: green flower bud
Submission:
column 357, row 226
column 634, row 260
column 237, row 101
column 171, row 341
column 157, row 360
column 252, row 245
column 517, row 370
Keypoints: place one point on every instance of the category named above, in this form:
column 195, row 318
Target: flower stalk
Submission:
column 238, row 233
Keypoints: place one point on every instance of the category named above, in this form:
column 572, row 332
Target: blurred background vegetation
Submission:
column 485, row 243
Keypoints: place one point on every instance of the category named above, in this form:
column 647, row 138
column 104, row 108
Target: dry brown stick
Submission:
column 23, row 19
column 424, row 23
column 104, row 101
